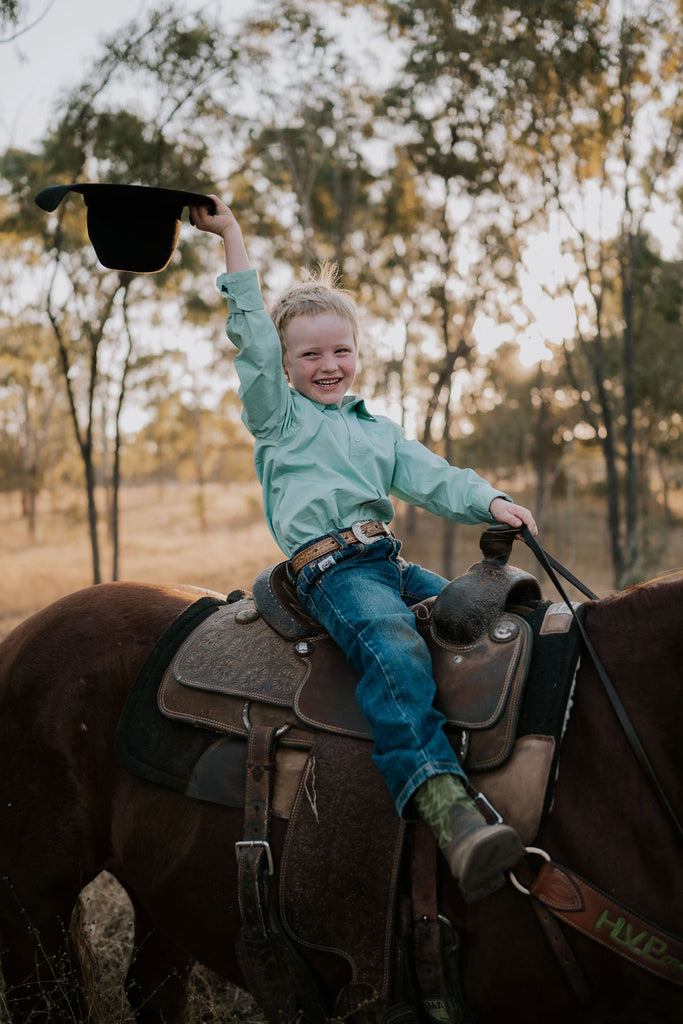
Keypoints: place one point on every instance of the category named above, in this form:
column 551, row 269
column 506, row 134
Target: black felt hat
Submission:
column 131, row 227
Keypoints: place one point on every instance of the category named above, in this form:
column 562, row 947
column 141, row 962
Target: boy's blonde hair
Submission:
column 317, row 294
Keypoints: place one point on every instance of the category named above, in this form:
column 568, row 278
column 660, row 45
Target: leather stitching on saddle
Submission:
column 307, row 907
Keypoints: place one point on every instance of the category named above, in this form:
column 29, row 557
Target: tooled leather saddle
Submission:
column 263, row 650
column 258, row 659
column 236, row 688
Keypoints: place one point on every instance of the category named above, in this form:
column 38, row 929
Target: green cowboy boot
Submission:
column 478, row 854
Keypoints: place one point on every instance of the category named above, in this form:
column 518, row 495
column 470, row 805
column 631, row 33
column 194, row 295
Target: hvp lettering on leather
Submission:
column 650, row 947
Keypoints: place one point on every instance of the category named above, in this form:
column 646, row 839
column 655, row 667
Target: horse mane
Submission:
column 620, row 617
column 645, row 595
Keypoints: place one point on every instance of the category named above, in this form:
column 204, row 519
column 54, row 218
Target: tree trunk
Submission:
column 628, row 265
column 448, row 537
column 541, row 459
column 92, row 513
column 116, row 468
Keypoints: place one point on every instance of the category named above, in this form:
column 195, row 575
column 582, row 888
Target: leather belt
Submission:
column 358, row 533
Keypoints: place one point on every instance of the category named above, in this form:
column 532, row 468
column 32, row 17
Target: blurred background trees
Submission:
column 499, row 183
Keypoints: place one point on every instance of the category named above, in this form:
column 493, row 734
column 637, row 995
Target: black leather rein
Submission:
column 550, row 565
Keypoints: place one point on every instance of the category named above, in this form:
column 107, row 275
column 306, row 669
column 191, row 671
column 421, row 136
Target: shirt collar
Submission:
column 349, row 403
column 357, row 403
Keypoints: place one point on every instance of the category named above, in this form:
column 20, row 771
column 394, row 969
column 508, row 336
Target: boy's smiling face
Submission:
column 320, row 357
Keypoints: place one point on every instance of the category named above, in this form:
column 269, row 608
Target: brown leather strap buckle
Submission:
column 253, row 843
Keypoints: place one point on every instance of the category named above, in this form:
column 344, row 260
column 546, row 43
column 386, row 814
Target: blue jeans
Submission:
column 363, row 600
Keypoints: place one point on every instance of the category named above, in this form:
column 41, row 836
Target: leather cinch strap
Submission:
column 426, row 928
column 274, row 972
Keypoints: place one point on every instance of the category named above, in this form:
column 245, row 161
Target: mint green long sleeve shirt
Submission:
column 323, row 467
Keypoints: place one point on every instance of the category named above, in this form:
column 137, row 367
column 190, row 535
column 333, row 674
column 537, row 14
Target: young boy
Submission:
column 327, row 467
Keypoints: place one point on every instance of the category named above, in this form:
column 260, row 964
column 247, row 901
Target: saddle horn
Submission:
column 468, row 606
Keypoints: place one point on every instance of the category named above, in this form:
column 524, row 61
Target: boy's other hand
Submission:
column 513, row 515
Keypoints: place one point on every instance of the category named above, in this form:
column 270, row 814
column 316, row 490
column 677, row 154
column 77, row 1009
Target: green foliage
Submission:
column 424, row 176
column 10, row 11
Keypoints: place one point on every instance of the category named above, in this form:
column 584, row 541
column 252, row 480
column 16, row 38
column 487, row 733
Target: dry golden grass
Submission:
column 161, row 542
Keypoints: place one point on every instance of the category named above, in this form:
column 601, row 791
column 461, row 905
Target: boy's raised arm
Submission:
column 224, row 223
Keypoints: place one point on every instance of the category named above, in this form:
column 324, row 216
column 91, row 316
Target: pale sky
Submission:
column 54, row 55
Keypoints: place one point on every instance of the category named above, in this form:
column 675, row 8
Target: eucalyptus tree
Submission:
column 300, row 128
column 28, row 402
column 144, row 113
column 605, row 145
column 658, row 383
column 442, row 117
column 27, row 376
column 565, row 115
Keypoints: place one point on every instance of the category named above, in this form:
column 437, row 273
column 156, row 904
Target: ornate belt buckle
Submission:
column 357, row 531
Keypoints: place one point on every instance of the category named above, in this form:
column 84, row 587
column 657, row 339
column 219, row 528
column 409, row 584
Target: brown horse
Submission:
column 68, row 811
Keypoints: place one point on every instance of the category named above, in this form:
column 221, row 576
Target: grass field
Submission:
column 161, row 542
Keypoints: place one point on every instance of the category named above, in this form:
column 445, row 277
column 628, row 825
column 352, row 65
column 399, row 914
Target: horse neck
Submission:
column 606, row 822
column 637, row 637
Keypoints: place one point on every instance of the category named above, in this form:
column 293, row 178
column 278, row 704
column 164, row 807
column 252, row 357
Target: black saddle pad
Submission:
column 149, row 745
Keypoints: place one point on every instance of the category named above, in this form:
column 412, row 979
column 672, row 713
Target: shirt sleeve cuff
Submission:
column 497, row 494
column 241, row 289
